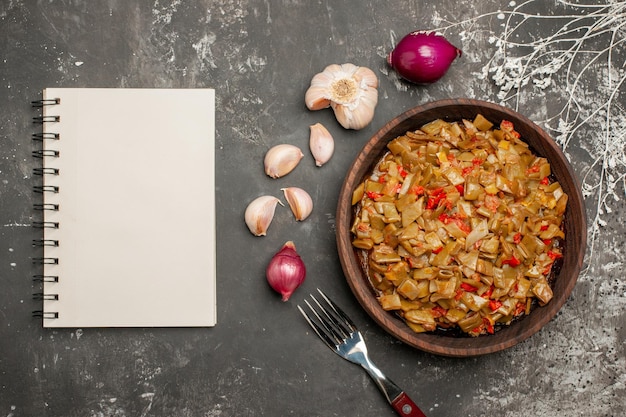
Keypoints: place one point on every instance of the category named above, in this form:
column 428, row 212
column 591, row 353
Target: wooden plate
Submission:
column 575, row 228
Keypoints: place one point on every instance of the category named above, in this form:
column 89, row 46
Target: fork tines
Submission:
column 328, row 321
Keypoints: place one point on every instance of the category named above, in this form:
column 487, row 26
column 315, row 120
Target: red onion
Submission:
column 423, row 57
column 286, row 271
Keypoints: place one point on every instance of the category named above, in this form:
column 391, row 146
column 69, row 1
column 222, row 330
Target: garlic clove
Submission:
column 316, row 97
column 366, row 76
column 280, row 160
column 350, row 90
column 321, row 143
column 300, row 202
column 356, row 118
column 260, row 213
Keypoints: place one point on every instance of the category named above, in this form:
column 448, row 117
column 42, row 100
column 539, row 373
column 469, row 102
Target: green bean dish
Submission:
column 459, row 226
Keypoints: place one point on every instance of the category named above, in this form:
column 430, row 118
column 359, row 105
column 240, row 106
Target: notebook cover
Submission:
column 136, row 196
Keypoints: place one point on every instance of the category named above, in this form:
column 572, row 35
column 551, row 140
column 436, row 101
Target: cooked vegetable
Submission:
column 423, row 57
column 459, row 225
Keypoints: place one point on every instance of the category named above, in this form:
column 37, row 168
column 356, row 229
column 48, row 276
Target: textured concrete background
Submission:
column 561, row 64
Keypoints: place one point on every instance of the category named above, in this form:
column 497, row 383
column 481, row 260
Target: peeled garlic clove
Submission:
column 259, row 214
column 321, row 143
column 351, row 91
column 280, row 160
column 300, row 202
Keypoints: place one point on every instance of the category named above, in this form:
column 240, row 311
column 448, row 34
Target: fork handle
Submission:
column 397, row 398
column 404, row 406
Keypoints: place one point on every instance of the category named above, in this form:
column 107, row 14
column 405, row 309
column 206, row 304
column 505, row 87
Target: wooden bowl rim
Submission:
column 576, row 225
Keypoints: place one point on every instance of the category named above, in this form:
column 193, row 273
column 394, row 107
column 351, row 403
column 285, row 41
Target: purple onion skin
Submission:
column 423, row 57
column 286, row 271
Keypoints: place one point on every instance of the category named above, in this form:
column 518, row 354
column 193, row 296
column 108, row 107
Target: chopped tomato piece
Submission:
column 519, row 308
column 495, row 305
column 417, row 190
column 554, row 255
column 488, row 293
column 507, row 126
column 532, row 169
column 439, row 311
column 488, row 325
column 436, row 196
column 447, row 219
column 466, row 171
column 468, row 287
column 512, row 261
column 373, row 195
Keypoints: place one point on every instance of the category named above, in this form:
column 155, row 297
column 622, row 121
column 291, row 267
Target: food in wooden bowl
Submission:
column 461, row 228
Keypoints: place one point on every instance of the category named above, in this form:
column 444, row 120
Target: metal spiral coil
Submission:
column 43, row 153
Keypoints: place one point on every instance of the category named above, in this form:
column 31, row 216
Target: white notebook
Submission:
column 128, row 207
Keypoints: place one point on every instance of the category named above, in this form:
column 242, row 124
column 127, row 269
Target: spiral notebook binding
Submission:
column 46, row 225
column 46, row 119
column 45, row 102
column 46, row 314
column 46, row 171
column 45, row 278
column 40, row 296
column 41, row 136
column 43, row 153
column 45, row 140
column 46, row 206
column 46, row 189
column 46, row 261
column 45, row 242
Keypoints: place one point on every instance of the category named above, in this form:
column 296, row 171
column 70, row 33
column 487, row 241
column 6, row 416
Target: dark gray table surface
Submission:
column 561, row 65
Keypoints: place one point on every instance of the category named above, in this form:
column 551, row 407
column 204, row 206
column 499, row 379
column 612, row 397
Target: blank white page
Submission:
column 136, row 196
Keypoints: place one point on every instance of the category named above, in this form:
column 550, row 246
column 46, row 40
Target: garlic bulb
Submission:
column 351, row 91
column 280, row 160
column 300, row 202
column 259, row 214
column 321, row 143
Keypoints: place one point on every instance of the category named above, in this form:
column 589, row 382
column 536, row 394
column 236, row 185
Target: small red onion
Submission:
column 286, row 271
column 423, row 57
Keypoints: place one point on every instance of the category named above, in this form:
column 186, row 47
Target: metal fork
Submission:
column 341, row 335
